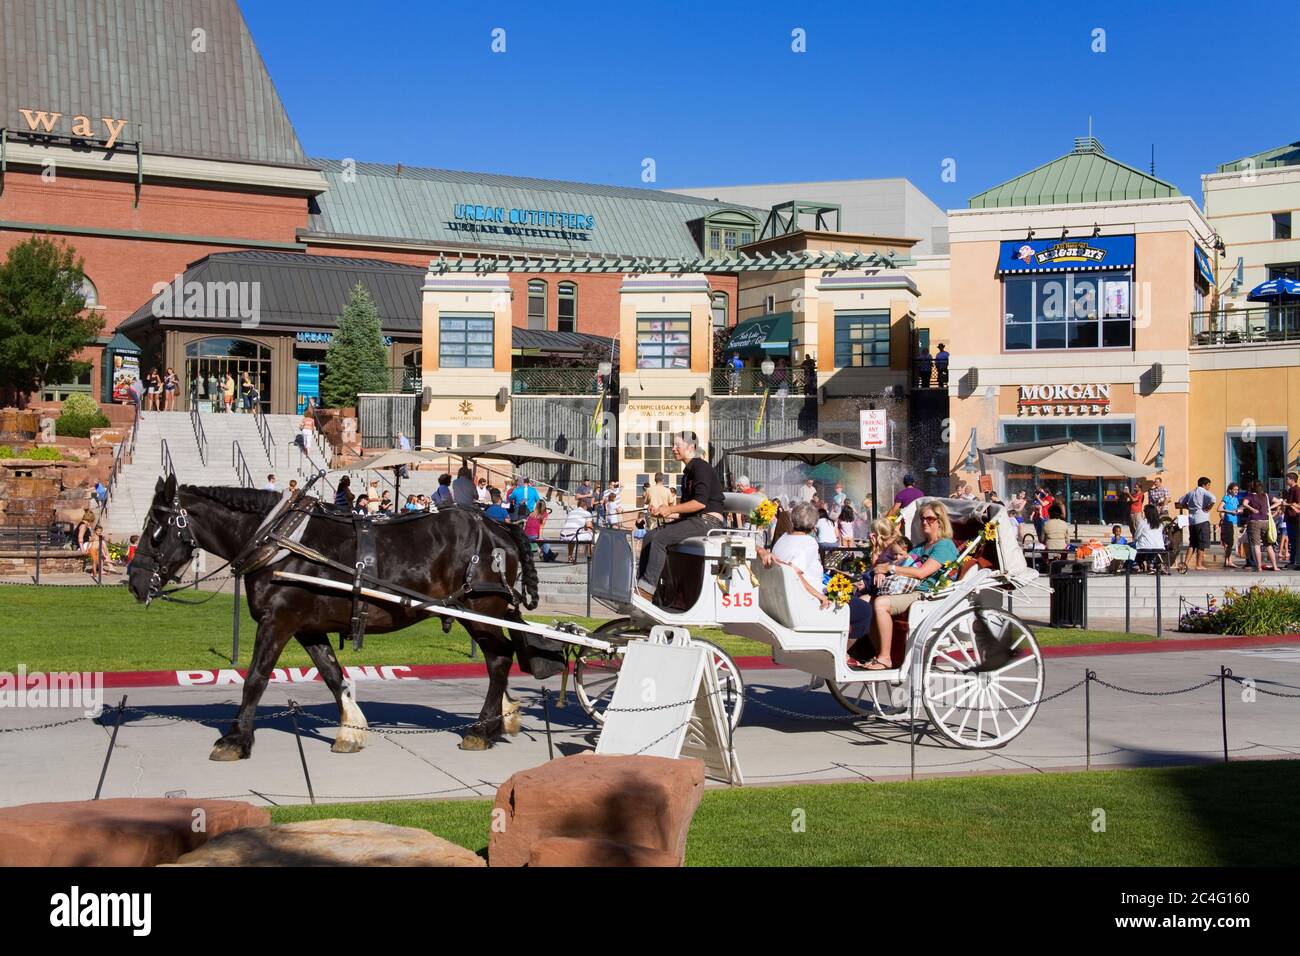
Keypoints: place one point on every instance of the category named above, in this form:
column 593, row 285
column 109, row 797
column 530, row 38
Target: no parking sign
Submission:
column 874, row 423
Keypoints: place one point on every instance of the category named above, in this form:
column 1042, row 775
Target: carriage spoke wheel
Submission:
column 872, row 698
column 595, row 674
column 982, row 678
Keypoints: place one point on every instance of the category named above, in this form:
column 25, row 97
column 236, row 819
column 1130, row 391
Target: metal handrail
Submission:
column 1276, row 323
column 168, row 468
column 240, row 464
column 751, row 381
column 201, row 439
column 264, row 433
column 125, row 449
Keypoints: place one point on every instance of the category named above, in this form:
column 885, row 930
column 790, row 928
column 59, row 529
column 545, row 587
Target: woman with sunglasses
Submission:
column 925, row 564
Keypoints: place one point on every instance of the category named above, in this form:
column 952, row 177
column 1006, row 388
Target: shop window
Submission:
column 720, row 310
column 566, row 314
column 465, row 342
column 1085, row 500
column 663, row 341
column 1067, row 311
column 536, row 304
column 1281, row 225
column 862, row 340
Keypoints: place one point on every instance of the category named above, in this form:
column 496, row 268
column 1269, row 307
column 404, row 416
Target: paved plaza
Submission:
column 789, row 734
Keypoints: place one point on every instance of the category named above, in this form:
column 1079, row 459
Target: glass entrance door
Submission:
column 207, row 360
column 1261, row 457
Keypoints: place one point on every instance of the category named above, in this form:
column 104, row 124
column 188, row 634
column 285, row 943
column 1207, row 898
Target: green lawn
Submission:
column 1168, row 817
column 54, row 628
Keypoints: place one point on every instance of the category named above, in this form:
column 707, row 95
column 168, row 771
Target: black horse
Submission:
column 434, row 554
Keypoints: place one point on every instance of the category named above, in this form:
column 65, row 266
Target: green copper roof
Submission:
column 1086, row 174
column 1288, row 155
column 376, row 201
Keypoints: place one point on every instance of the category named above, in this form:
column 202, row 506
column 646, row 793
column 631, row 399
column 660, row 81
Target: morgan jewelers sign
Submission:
column 1091, row 399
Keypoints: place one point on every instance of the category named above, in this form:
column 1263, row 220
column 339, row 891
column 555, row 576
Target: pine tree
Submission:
column 357, row 360
column 43, row 317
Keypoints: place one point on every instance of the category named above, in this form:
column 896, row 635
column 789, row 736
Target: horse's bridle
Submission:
column 150, row 560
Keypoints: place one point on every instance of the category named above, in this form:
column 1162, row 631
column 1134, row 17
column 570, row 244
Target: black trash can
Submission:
column 1069, row 606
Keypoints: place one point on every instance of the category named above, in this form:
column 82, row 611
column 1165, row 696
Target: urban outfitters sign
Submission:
column 1090, row 399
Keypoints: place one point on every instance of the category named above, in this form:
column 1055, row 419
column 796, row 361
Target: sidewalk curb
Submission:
column 385, row 672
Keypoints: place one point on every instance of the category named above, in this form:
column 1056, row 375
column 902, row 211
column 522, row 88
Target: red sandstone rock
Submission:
column 571, row 851
column 634, row 800
column 331, row 843
column 119, row 832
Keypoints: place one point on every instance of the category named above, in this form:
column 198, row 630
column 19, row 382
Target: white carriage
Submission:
column 966, row 665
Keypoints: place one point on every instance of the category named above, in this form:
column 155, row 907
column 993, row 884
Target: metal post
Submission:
column 911, row 733
column 38, row 559
column 1128, row 579
column 1088, row 677
column 293, row 715
column 234, row 647
column 112, row 741
column 731, row 733
column 590, row 547
column 875, row 501
column 546, row 712
column 1224, row 674
column 1159, row 575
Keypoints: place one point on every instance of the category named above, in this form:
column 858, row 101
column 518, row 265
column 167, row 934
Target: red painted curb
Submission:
column 299, row 675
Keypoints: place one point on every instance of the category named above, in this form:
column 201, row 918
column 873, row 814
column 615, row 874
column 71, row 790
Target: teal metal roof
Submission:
column 405, row 204
column 132, row 60
column 1288, row 155
column 1086, row 174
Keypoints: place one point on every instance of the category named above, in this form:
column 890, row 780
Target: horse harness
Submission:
column 280, row 534
column 363, row 573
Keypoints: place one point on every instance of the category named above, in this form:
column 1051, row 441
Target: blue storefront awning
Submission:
column 1066, row 255
column 768, row 333
column 1203, row 266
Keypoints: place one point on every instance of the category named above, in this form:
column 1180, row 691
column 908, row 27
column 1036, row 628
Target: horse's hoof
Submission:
column 474, row 743
column 344, row 745
column 226, row 752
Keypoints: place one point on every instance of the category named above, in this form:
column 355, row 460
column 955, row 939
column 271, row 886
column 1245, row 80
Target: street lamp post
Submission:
column 604, row 370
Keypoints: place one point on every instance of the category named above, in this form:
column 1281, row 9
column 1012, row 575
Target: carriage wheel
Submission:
column 595, row 674
column 982, row 678
column 867, row 698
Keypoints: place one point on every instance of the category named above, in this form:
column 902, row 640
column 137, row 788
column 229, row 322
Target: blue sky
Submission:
column 714, row 94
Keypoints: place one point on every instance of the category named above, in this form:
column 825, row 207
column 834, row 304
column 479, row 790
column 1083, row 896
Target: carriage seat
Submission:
column 784, row 599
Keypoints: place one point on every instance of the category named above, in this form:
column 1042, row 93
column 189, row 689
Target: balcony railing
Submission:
column 751, row 381
column 1279, row 323
column 404, row 380
column 555, row 381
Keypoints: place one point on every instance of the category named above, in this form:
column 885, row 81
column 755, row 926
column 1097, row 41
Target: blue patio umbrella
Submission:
column 1277, row 289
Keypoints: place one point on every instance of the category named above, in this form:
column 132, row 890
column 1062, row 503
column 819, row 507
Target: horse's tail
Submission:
column 525, row 549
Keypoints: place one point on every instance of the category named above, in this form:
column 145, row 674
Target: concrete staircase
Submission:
column 135, row 485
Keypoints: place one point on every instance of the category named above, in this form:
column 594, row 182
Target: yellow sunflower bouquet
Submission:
column 764, row 514
column 839, row 589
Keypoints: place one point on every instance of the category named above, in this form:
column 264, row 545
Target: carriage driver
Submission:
column 700, row 510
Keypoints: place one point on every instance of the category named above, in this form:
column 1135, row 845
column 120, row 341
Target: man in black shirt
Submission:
column 700, row 509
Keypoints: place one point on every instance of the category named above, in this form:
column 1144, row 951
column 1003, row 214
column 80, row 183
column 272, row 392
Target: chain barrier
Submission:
column 1260, row 690
column 1154, row 693
column 54, row 723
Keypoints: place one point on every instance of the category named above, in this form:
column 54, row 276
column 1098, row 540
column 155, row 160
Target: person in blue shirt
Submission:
column 1229, row 509
column 494, row 510
column 736, row 364
column 523, row 500
column 927, row 564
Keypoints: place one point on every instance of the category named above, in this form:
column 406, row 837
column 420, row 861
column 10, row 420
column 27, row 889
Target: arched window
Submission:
column 89, row 292
column 536, row 304
column 566, row 313
column 720, row 310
